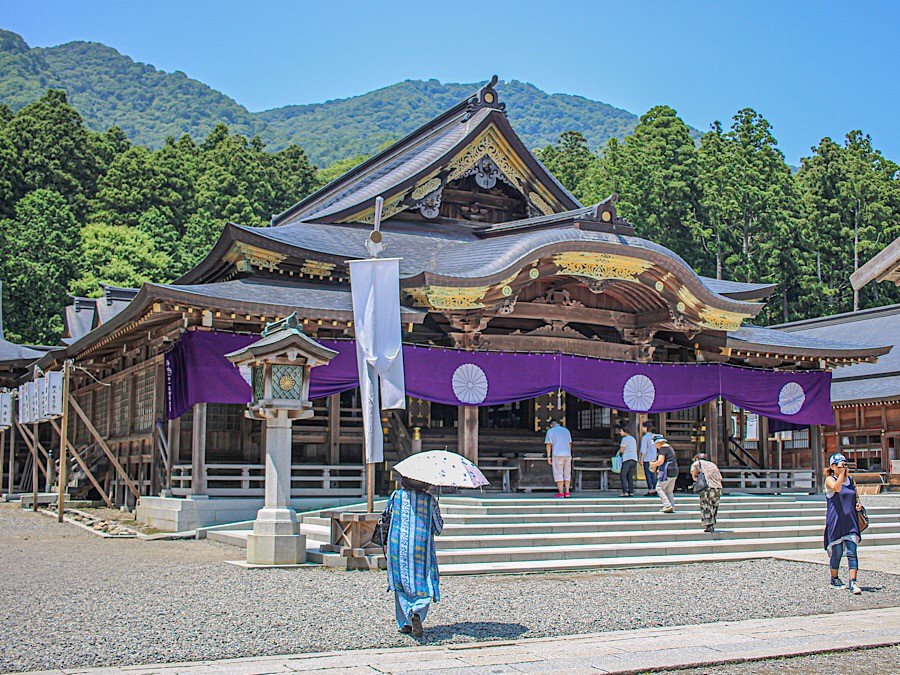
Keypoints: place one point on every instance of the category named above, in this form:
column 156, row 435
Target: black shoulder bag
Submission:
column 383, row 526
column 701, row 484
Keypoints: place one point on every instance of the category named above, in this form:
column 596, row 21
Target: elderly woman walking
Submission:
column 709, row 498
column 841, row 522
column 411, row 559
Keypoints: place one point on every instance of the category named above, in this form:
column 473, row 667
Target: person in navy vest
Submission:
column 841, row 524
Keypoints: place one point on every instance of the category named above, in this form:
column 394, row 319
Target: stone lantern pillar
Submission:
column 280, row 364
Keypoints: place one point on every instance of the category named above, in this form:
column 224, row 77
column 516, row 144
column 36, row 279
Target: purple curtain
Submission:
column 641, row 387
column 197, row 371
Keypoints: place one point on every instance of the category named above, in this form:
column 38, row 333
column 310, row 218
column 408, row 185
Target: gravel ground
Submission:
column 71, row 599
column 878, row 661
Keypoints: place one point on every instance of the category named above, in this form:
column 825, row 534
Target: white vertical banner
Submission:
column 25, row 403
column 42, row 398
column 54, row 394
column 20, row 409
column 752, row 431
column 34, row 395
column 375, row 288
column 6, row 408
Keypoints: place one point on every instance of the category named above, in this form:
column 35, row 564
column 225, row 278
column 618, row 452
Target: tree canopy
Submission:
column 81, row 208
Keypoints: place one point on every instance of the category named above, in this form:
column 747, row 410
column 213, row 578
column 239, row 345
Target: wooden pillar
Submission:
column 34, row 468
column 334, row 429
column 173, row 441
column 12, row 456
column 818, row 460
column 763, row 442
column 198, row 451
column 2, row 457
column 713, row 441
column 64, row 443
column 467, row 433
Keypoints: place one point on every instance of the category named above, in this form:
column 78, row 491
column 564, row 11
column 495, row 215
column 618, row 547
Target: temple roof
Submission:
column 85, row 314
column 863, row 381
column 774, row 342
column 440, row 151
column 246, row 296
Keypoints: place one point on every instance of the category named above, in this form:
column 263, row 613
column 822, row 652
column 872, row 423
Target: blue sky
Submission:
column 813, row 69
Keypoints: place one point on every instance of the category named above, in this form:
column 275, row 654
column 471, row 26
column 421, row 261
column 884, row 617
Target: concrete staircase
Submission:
column 535, row 534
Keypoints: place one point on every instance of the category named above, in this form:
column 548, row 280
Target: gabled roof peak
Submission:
column 486, row 97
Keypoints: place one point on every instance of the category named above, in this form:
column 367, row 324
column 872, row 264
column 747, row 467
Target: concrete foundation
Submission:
column 174, row 514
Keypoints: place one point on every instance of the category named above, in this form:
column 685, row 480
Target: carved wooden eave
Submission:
column 492, row 139
column 644, row 281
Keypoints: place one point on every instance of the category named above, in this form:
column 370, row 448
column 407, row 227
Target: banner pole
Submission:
column 63, row 442
column 370, row 487
column 34, row 469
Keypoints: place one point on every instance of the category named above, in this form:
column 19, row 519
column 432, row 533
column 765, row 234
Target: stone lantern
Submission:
column 280, row 364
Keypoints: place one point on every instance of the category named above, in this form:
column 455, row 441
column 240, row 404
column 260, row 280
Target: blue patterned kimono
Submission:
column 411, row 558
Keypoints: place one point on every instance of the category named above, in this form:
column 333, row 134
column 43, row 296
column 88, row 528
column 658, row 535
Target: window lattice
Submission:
column 121, row 407
column 224, row 416
column 101, row 409
column 145, row 396
column 79, row 430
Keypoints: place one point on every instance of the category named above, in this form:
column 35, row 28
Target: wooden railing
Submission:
column 768, row 481
column 248, row 480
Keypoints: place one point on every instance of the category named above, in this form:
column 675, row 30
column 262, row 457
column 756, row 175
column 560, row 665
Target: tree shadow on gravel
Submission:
column 476, row 629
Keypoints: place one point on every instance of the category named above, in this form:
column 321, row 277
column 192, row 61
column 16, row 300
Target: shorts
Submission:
column 562, row 469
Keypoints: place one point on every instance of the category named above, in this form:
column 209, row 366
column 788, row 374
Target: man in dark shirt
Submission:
column 666, row 464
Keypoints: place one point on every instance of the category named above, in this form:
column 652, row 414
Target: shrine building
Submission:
column 519, row 305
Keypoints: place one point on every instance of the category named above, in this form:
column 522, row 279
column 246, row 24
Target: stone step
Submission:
column 660, row 537
column 621, row 562
column 654, row 514
column 315, row 536
column 638, row 505
column 578, row 497
column 715, row 543
column 683, row 522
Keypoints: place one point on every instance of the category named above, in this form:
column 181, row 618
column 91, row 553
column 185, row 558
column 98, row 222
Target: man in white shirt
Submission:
column 628, row 450
column 559, row 455
column 648, row 454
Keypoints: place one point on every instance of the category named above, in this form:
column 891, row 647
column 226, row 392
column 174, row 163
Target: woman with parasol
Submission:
column 415, row 518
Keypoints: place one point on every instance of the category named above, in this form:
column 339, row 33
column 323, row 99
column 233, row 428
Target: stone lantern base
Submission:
column 276, row 539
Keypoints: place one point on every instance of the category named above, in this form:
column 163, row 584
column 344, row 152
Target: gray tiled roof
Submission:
column 407, row 163
column 733, row 288
column 10, row 351
column 80, row 317
column 348, row 241
column 877, row 326
column 757, row 335
column 453, row 252
column 867, row 389
column 277, row 294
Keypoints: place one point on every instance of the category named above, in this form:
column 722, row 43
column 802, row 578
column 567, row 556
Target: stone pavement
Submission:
column 612, row 652
column 871, row 558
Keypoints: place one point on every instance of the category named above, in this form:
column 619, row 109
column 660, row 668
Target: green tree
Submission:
column 120, row 256
column 573, row 163
column 851, row 210
column 38, row 261
column 337, row 169
column 657, row 174
column 54, row 150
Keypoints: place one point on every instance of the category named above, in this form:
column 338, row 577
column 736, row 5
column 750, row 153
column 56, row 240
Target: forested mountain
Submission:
column 149, row 105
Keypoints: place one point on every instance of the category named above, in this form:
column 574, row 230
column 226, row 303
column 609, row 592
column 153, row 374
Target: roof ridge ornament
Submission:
column 604, row 213
column 486, row 97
